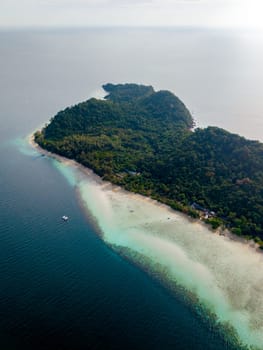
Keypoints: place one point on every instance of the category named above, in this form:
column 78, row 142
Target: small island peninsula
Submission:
column 144, row 141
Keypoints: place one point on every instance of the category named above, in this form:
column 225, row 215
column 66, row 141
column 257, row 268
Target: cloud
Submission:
column 131, row 12
column 93, row 3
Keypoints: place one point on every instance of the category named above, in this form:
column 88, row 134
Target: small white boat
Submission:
column 65, row 218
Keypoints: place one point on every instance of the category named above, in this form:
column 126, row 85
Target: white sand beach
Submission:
column 224, row 273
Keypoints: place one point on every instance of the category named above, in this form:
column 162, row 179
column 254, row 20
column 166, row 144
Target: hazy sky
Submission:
column 234, row 13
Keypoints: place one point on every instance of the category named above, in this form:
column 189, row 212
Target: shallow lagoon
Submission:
column 222, row 275
column 60, row 284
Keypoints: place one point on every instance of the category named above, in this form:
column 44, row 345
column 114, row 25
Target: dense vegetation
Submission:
column 142, row 140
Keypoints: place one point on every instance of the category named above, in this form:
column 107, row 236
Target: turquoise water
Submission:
column 217, row 275
column 61, row 286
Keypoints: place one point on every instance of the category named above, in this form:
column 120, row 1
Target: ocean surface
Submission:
column 61, row 286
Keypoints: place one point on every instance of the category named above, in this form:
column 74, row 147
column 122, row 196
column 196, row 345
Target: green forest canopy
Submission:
column 143, row 141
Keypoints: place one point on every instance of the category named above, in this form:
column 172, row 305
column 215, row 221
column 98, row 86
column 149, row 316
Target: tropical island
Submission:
column 144, row 141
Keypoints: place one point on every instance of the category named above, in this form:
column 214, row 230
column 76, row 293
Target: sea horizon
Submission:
column 62, row 285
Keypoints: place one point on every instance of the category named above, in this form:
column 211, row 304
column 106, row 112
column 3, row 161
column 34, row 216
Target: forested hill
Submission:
column 142, row 140
column 128, row 106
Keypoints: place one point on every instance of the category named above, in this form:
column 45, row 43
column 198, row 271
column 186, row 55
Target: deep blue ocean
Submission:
column 61, row 287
